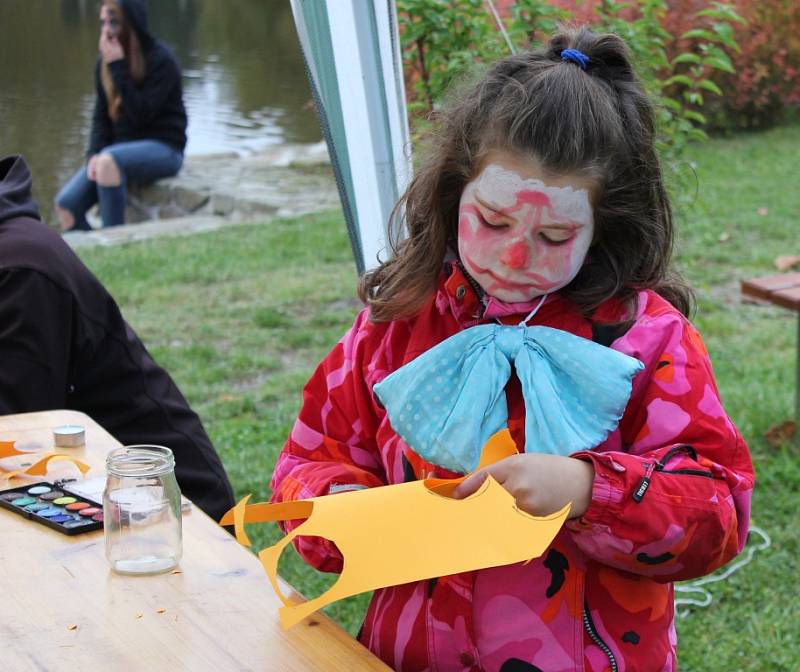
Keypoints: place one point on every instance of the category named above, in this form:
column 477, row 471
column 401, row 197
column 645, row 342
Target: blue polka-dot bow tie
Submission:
column 447, row 402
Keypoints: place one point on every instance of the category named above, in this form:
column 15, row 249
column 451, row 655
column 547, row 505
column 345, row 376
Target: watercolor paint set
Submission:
column 54, row 506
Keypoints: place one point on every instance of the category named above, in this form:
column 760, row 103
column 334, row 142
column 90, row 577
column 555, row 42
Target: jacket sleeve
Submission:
column 671, row 500
column 101, row 134
column 142, row 103
column 332, row 445
column 35, row 328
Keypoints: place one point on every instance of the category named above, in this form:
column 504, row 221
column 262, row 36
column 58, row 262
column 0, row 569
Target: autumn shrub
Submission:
column 765, row 86
column 443, row 39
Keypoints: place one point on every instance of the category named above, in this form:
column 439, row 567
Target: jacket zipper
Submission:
column 588, row 625
column 660, row 465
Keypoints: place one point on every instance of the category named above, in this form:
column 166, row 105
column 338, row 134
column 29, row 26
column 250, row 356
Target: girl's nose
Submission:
column 516, row 255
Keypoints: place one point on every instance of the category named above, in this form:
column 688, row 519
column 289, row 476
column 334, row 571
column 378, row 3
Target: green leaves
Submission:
column 720, row 62
column 680, row 86
column 444, row 39
column 686, row 58
column 724, row 32
column 697, row 33
column 678, row 79
column 708, row 85
column 695, row 116
column 440, row 41
column 723, row 11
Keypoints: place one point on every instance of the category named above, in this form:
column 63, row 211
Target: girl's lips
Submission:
column 537, row 281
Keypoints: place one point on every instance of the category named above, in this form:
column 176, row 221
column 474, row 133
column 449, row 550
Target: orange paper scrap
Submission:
column 38, row 468
column 7, row 449
column 447, row 536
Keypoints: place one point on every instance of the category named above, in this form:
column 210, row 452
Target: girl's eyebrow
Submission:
column 489, row 206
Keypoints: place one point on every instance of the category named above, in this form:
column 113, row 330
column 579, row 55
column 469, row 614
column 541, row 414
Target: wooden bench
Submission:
column 784, row 291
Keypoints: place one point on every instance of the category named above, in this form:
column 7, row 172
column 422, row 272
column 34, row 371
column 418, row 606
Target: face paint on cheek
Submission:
column 551, row 262
column 567, row 259
column 473, row 235
column 469, row 229
column 480, row 248
column 469, row 220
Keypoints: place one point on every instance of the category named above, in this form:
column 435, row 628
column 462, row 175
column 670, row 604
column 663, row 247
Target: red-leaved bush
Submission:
column 766, row 83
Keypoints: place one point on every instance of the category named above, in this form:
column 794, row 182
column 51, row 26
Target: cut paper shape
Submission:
column 447, row 536
column 8, row 449
column 39, row 468
column 447, row 402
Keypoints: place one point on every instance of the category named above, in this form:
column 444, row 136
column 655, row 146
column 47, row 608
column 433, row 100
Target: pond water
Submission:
column 245, row 86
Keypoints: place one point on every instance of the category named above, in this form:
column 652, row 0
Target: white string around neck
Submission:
column 524, row 323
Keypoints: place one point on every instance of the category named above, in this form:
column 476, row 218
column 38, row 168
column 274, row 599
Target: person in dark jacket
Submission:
column 65, row 344
column 139, row 122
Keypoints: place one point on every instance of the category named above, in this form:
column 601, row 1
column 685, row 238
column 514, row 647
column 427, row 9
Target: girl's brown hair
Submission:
column 133, row 55
column 598, row 122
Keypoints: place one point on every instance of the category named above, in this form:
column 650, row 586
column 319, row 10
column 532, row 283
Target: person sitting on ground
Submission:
column 139, row 123
column 65, row 344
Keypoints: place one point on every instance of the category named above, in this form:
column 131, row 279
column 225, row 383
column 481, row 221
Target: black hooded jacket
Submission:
column 65, row 344
column 152, row 109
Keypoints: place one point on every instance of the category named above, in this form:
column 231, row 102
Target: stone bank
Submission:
column 217, row 190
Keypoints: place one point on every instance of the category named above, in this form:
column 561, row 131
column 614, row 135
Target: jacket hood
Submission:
column 136, row 16
column 15, row 189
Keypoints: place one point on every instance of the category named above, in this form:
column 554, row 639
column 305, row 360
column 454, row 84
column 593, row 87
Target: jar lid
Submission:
column 69, row 436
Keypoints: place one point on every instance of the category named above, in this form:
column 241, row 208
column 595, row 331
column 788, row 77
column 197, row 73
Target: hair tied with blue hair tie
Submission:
column 575, row 56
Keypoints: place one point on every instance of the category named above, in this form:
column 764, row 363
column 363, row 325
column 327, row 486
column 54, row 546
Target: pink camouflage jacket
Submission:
column 670, row 500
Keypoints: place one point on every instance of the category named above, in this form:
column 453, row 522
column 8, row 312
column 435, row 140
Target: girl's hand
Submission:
column 110, row 49
column 91, row 168
column 541, row 484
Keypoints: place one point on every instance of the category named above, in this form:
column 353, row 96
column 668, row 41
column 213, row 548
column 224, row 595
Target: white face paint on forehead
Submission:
column 504, row 186
column 522, row 233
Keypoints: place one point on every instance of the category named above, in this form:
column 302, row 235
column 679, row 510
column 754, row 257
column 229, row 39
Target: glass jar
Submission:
column 142, row 510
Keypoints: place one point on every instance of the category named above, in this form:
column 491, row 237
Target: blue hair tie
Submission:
column 577, row 57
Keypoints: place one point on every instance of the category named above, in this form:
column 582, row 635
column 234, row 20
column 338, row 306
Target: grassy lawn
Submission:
column 241, row 317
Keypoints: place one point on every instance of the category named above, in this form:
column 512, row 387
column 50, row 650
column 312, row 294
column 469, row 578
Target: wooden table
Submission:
column 64, row 609
column 784, row 291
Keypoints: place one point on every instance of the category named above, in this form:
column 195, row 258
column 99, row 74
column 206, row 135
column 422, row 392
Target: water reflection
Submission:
column 245, row 85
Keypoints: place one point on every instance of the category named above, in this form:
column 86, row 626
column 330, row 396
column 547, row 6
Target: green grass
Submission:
column 241, row 317
column 725, row 238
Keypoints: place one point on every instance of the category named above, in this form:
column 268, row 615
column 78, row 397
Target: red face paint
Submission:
column 516, row 255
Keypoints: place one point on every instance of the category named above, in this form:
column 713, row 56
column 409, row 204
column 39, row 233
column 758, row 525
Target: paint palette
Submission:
column 55, row 507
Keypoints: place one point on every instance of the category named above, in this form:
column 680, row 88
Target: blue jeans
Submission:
column 140, row 161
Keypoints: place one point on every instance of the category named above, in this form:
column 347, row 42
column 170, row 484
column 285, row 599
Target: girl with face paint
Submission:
column 541, row 204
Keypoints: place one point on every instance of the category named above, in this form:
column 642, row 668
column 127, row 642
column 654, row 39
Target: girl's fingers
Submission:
column 470, row 485
column 500, row 471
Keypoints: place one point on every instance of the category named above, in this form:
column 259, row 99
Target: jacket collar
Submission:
column 458, row 295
